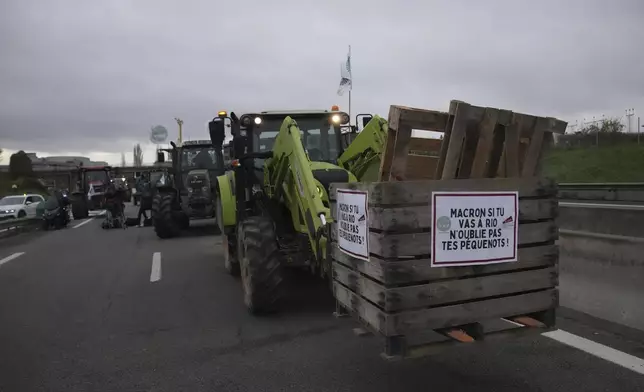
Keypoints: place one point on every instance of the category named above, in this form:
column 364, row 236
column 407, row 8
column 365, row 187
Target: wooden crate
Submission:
column 396, row 293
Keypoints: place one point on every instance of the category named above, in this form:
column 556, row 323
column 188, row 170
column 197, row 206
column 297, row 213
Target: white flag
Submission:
column 345, row 75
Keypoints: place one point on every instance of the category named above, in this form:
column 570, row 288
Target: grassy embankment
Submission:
column 621, row 163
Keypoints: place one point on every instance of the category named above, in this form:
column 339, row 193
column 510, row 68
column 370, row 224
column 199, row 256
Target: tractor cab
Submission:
column 320, row 130
column 91, row 185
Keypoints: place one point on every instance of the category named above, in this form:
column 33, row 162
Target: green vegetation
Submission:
column 612, row 163
column 21, row 175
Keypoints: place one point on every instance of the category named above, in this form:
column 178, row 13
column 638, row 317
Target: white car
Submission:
column 19, row 206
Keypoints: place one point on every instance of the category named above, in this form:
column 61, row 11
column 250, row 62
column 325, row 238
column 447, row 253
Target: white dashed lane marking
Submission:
column 93, row 214
column 9, row 258
column 155, row 274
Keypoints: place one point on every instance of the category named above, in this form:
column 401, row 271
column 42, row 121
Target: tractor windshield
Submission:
column 320, row 139
column 199, row 158
column 97, row 175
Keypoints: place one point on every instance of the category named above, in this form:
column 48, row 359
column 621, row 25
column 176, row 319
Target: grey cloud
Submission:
column 86, row 76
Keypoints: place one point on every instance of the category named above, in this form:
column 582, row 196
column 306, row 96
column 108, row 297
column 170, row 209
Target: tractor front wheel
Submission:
column 164, row 223
column 231, row 263
column 260, row 265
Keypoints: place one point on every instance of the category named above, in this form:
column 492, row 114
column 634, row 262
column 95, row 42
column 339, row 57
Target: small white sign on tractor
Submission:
column 474, row 228
column 353, row 223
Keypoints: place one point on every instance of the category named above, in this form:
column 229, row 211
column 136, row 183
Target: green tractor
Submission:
column 273, row 205
column 184, row 191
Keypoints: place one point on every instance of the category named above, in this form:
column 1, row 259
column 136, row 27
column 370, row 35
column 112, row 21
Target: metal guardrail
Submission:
column 9, row 227
column 601, row 185
column 607, row 191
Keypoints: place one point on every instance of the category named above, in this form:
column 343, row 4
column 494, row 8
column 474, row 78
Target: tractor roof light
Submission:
column 222, row 114
column 335, row 108
column 258, row 120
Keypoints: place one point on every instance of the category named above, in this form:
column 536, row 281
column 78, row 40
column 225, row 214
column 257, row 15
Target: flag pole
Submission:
column 351, row 87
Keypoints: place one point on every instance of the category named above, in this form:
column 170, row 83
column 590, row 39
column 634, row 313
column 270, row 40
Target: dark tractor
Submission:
column 91, row 184
column 184, row 191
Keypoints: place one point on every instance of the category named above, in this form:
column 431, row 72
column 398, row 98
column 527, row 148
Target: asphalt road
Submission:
column 83, row 309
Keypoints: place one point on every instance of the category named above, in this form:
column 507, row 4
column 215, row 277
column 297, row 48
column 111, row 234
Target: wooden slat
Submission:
column 388, row 245
column 444, row 292
column 421, row 119
column 533, row 154
column 387, row 157
column 486, row 142
column 438, row 174
column 419, row 216
column 416, row 270
column 456, row 140
column 407, row 322
column 419, row 192
column 512, row 135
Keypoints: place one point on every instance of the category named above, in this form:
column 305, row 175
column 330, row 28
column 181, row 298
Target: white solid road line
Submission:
column 155, row 274
column 86, row 221
column 9, row 258
column 599, row 350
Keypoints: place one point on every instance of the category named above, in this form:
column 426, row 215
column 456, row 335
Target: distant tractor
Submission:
column 186, row 191
column 91, row 184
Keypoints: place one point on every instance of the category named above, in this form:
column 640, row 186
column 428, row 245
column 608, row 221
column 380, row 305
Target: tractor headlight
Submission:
column 258, row 120
column 336, row 118
column 204, row 189
column 190, row 190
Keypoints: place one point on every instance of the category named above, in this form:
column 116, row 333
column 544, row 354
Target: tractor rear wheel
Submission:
column 80, row 209
column 164, row 222
column 260, row 265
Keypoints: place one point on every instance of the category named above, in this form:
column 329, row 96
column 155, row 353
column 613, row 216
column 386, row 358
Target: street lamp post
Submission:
column 180, row 123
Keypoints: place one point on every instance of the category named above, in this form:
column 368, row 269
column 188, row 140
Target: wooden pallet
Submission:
column 478, row 142
column 396, row 293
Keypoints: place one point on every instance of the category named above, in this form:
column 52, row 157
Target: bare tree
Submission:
column 123, row 161
column 137, row 156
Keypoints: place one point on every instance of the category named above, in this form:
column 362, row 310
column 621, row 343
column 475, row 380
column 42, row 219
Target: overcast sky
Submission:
column 91, row 77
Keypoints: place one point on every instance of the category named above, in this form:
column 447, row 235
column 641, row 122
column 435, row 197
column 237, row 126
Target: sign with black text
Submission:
column 352, row 223
column 474, row 228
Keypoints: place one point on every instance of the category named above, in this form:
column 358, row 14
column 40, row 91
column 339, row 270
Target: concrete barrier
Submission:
column 602, row 262
column 626, row 220
column 603, row 276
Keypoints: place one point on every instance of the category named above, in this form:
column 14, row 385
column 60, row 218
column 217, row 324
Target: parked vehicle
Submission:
column 19, row 206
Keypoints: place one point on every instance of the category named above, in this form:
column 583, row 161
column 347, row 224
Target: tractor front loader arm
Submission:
column 362, row 157
column 289, row 159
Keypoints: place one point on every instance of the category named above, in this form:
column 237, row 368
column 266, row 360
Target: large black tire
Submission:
column 80, row 209
column 164, row 224
column 260, row 264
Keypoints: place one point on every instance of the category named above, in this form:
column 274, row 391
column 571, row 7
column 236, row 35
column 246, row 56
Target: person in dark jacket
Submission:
column 146, row 199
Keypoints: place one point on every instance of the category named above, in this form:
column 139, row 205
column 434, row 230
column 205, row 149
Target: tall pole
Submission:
column 629, row 114
column 351, row 76
column 180, row 123
column 638, row 129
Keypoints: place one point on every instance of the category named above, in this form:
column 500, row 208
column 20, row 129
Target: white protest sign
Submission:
column 474, row 228
column 353, row 223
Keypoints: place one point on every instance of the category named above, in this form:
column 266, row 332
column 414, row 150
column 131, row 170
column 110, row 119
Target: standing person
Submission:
column 146, row 198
